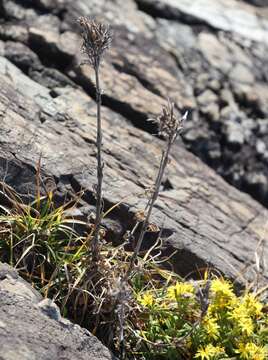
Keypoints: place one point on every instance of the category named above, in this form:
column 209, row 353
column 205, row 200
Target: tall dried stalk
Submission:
column 169, row 126
column 97, row 39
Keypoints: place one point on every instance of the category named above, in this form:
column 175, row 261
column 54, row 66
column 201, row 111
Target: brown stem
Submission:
column 95, row 243
column 150, row 205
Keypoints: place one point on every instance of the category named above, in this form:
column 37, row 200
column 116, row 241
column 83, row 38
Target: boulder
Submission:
column 32, row 328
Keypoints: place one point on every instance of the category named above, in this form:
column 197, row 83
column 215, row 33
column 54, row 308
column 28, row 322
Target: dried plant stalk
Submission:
column 97, row 39
column 169, row 126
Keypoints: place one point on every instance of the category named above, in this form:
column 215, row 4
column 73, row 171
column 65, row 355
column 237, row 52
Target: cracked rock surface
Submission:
column 212, row 62
column 32, row 328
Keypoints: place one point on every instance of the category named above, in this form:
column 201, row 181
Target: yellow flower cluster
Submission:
column 180, row 289
column 241, row 316
column 209, row 352
column 222, row 292
column 146, row 300
column 233, row 326
column 211, row 327
column 251, row 351
column 244, row 311
column 253, row 306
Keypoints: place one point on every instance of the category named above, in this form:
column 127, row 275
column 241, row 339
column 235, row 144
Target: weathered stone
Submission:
column 121, row 90
column 32, row 328
column 258, row 181
column 153, row 64
column 234, row 133
column 14, row 32
column 214, row 52
column 218, row 75
column 21, row 56
column 227, row 222
column 227, row 15
column 212, row 110
column 261, row 3
column 262, row 126
column 206, row 98
column 117, row 13
column 261, row 94
column 174, row 36
column 193, row 46
column 227, row 98
column 50, row 78
column 64, row 45
column 47, row 22
column 241, row 73
column 2, row 48
column 261, row 147
column 14, row 10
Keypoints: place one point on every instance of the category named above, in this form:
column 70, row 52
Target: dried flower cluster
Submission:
column 169, row 124
column 96, row 37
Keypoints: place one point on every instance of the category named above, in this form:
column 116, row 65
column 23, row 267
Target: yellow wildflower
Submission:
column 253, row 306
column 222, row 286
column 211, row 327
column 147, row 299
column 251, row 351
column 246, row 325
column 241, row 316
column 209, row 352
column 223, row 293
column 179, row 289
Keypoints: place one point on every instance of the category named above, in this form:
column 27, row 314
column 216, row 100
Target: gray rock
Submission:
column 180, row 56
column 173, row 35
column 68, row 153
column 215, row 52
column 32, row 329
column 257, row 180
column 14, row 32
column 261, row 3
column 2, row 48
column 207, row 97
column 234, row 133
column 21, row 56
column 233, row 16
column 261, row 147
column 51, row 110
column 15, row 11
column 262, row 126
column 241, row 74
column 212, row 111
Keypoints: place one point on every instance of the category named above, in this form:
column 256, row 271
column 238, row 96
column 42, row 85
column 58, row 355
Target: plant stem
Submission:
column 150, row 204
column 95, row 243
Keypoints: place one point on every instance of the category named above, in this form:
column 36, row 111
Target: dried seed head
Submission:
column 97, row 38
column 139, row 216
column 169, row 124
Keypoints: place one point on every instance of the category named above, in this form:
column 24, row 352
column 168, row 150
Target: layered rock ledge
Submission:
column 217, row 70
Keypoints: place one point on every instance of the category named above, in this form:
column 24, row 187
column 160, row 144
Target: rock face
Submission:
column 206, row 62
column 32, row 329
column 221, row 47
